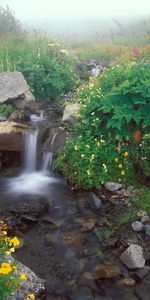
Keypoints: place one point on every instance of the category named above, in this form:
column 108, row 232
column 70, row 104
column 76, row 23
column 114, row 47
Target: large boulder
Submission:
column 11, row 135
column 72, row 112
column 12, row 85
column 14, row 88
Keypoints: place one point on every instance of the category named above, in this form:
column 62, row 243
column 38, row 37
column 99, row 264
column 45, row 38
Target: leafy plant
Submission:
column 121, row 103
column 88, row 162
column 140, row 155
column 48, row 69
column 6, row 109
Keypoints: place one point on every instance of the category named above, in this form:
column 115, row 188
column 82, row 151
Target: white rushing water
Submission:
column 31, row 180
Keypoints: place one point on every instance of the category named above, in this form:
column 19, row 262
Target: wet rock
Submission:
column 112, row 186
column 144, row 219
column 72, row 113
column 127, row 282
column 73, row 238
column 99, row 297
column 57, row 110
column 137, row 226
column 143, row 291
column 88, row 225
column 147, row 229
column 106, row 270
column 141, row 272
column 11, row 135
column 133, row 257
column 29, row 218
column 117, row 292
column 94, row 202
column 55, row 141
column 88, row 276
column 82, row 293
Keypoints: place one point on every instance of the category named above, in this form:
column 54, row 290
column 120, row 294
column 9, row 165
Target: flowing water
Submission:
column 33, row 180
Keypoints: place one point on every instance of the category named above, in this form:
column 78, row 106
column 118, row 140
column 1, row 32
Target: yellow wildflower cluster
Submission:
column 120, row 165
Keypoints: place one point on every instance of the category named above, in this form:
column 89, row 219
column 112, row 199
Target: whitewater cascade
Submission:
column 33, row 180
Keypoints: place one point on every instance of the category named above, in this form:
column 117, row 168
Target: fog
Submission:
column 77, row 15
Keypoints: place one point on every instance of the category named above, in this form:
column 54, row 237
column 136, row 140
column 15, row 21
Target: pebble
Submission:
column 137, row 226
column 141, row 213
column 133, row 257
column 144, row 219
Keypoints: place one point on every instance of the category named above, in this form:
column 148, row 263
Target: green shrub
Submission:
column 116, row 111
column 6, row 109
column 87, row 162
column 48, row 69
column 121, row 101
column 140, row 155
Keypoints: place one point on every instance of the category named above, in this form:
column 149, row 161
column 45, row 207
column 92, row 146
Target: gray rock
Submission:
column 2, row 118
column 12, row 85
column 147, row 229
column 133, row 257
column 72, row 113
column 137, row 226
column 94, row 202
column 112, row 186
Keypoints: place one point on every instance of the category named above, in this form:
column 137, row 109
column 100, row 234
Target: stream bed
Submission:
column 64, row 243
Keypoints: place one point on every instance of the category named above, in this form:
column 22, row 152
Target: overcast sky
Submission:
column 42, row 9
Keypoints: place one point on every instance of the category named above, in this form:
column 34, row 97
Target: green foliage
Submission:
column 6, row 109
column 48, row 69
column 142, row 201
column 119, row 103
column 114, row 107
column 8, row 22
column 88, row 162
column 140, row 155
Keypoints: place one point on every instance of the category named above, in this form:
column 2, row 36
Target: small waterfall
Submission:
column 47, row 161
column 31, row 180
column 30, row 151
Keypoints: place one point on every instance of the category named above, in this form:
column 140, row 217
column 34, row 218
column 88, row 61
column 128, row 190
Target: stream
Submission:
column 61, row 233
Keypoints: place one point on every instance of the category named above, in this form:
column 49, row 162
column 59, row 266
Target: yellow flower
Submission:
column 123, row 172
column 116, row 159
column 126, row 153
column 4, row 232
column 15, row 242
column 31, row 296
column 23, row 276
column 120, row 166
column 5, row 268
column 11, row 250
